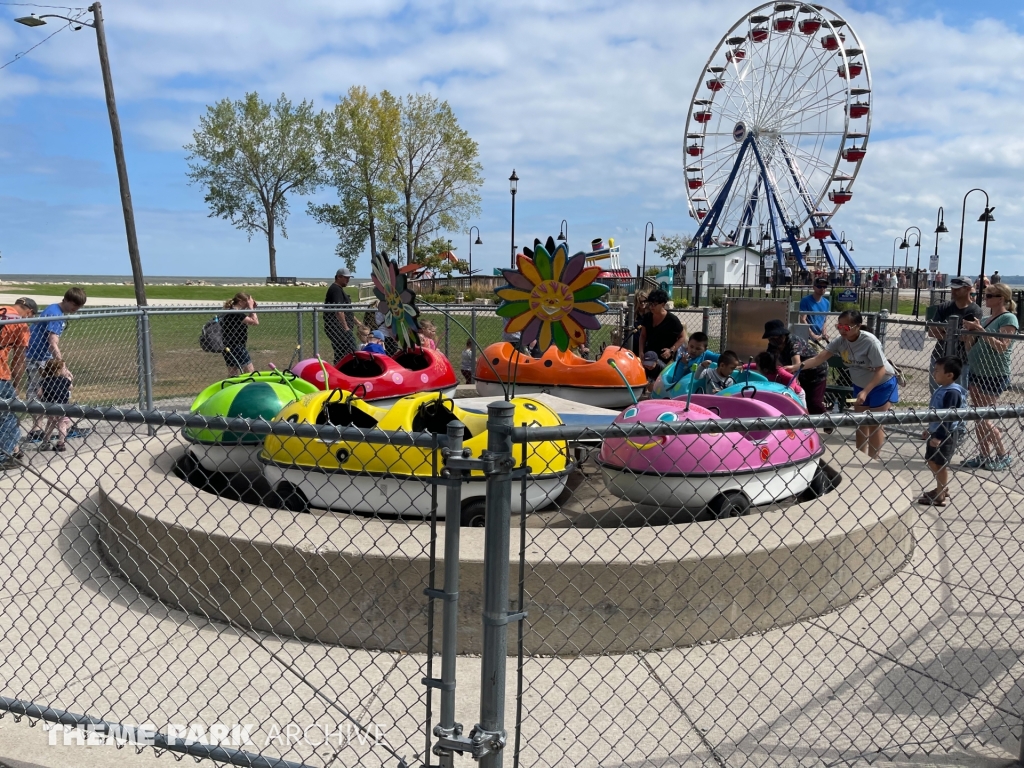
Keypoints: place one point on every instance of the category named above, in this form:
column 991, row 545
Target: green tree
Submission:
column 670, row 248
column 436, row 172
column 250, row 154
column 434, row 257
column 357, row 143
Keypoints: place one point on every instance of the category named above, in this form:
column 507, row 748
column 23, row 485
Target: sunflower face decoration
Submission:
column 396, row 301
column 552, row 298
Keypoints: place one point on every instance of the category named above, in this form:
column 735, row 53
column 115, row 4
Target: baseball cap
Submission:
column 343, row 273
column 28, row 302
column 960, row 282
column 650, row 359
column 822, row 281
column 378, row 335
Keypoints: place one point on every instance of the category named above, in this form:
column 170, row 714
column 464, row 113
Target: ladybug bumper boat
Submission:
column 725, row 473
column 562, row 374
column 356, row 476
column 259, row 395
column 381, row 379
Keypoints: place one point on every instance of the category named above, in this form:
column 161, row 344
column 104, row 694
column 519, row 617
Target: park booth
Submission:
column 724, row 265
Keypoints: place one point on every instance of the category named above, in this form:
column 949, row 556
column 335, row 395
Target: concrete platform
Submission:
column 595, row 590
column 925, row 670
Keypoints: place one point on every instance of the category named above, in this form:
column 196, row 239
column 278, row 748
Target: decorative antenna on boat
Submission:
column 396, row 301
column 689, row 392
column 551, row 298
column 624, row 381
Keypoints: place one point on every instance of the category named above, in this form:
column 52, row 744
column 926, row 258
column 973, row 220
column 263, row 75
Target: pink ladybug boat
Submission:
column 725, row 473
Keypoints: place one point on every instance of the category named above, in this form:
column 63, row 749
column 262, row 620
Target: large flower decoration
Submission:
column 396, row 301
column 552, row 298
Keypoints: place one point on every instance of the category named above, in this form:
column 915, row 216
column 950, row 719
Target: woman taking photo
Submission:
column 989, row 360
column 235, row 328
column 873, row 376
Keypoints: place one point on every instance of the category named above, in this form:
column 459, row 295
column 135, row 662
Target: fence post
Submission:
column 147, row 363
column 705, row 320
column 298, row 317
column 488, row 736
column 316, row 332
column 880, row 322
column 140, row 355
column 952, row 333
column 629, row 322
column 447, row 728
column 447, row 328
column 472, row 332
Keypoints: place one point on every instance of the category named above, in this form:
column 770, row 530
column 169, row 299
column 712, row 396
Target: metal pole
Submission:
column 490, row 732
column 147, row 364
column 122, row 168
column 917, row 280
column 298, row 318
column 450, row 617
column 140, row 359
column 447, row 330
column 984, row 245
column 316, row 332
column 472, row 332
column 705, row 320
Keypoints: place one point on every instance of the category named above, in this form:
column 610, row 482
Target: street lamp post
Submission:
column 115, row 131
column 963, row 214
column 478, row 242
column 563, row 233
column 651, row 239
column 906, row 264
column 940, row 228
column 985, row 217
column 394, row 246
column 513, row 183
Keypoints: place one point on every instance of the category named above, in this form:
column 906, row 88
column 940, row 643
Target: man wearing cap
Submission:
column 338, row 322
column 14, row 339
column 960, row 306
column 812, row 309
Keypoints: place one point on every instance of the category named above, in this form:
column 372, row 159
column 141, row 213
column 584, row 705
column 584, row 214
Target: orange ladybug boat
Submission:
column 562, row 374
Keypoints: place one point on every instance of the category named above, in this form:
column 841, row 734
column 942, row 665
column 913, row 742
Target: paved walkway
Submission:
column 930, row 662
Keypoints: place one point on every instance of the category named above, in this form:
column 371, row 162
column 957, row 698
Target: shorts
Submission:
column 886, row 392
column 237, row 357
column 942, row 455
column 993, row 386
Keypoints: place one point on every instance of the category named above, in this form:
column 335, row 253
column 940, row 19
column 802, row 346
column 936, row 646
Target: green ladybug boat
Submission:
column 259, row 395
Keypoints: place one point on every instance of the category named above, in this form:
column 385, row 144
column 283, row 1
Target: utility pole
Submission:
column 122, row 168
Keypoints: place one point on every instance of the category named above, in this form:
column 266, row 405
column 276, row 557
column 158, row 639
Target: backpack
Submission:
column 212, row 337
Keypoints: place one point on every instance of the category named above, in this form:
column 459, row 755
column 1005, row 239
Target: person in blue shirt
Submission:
column 374, row 342
column 696, row 353
column 44, row 345
column 810, row 307
column 943, row 437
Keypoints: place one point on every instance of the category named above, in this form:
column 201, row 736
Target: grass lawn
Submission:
column 102, row 352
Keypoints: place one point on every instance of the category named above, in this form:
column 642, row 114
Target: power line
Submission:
column 36, row 5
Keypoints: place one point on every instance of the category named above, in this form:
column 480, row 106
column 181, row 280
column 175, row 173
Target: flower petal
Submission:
column 530, row 332
column 573, row 267
column 543, row 262
column 512, row 308
column 586, row 277
column 517, row 280
column 544, row 337
column 587, row 321
column 528, row 270
column 588, row 292
column 591, row 307
column 561, row 338
column 516, row 324
column 558, row 262
column 513, row 294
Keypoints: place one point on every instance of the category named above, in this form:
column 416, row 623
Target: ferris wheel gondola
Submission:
column 777, row 130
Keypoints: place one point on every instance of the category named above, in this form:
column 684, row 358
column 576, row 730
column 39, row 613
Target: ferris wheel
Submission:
column 777, row 130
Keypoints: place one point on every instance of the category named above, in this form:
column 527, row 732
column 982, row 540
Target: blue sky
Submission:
column 586, row 99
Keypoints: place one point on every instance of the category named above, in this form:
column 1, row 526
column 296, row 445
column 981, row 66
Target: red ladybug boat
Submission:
column 381, row 379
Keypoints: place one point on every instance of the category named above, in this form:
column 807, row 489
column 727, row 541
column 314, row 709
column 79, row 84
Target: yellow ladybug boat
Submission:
column 367, row 478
